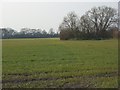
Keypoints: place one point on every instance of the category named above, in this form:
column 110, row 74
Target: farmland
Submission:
column 54, row 63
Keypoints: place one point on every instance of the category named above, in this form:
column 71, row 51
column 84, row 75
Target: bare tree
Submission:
column 99, row 19
column 70, row 23
column 44, row 32
column 51, row 31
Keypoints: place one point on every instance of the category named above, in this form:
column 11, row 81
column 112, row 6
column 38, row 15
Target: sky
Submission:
column 44, row 15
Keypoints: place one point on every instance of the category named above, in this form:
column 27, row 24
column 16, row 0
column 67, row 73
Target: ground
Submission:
column 53, row 63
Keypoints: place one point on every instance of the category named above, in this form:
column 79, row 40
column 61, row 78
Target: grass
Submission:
column 43, row 63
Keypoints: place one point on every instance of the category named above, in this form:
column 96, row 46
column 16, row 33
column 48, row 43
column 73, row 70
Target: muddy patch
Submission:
column 111, row 74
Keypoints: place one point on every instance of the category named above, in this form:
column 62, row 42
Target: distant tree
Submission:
column 70, row 23
column 98, row 20
column 37, row 33
column 44, row 32
column 8, row 32
column 94, row 24
column 26, row 33
column 51, row 31
column 86, row 28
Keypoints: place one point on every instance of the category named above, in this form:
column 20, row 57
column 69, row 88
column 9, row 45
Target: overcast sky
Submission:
column 44, row 15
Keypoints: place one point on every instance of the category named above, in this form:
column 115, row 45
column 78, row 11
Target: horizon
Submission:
column 43, row 15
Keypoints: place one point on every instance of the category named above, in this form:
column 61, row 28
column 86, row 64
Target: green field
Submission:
column 43, row 63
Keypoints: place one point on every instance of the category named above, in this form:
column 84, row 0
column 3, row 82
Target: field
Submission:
column 52, row 63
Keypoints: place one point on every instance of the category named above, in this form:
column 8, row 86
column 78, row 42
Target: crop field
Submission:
column 53, row 63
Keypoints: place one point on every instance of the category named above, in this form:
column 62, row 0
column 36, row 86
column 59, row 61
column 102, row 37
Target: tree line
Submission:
column 28, row 33
column 97, row 23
